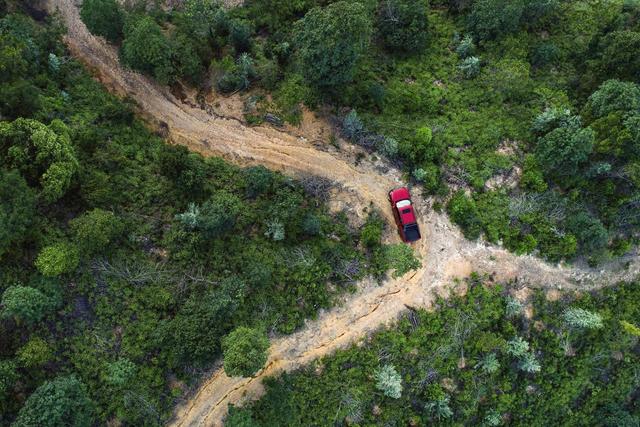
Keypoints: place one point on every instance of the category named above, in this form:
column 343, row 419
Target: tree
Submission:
column 103, row 18
column 146, row 49
column 8, row 377
column 616, row 56
column 58, row 259
column 17, row 209
column 239, row 417
column 35, row 353
column 388, row 381
column 245, row 351
column 330, row 42
column 614, row 95
column 592, row 236
column 60, row 402
column 40, row 152
column 579, row 318
column 24, row 304
column 561, row 151
column 403, row 24
column 493, row 18
column 94, row 230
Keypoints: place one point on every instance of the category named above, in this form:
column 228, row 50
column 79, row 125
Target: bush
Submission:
column 579, row 318
column 463, row 211
column 470, row 67
column 388, row 381
column 517, row 347
column 103, row 18
column 401, row 259
column 439, row 409
column 403, row 24
column 245, row 351
column 352, row 127
column 388, row 147
column 489, row 364
column 466, row 47
column 58, row 259
column 371, row 233
column 120, row 373
column 59, row 402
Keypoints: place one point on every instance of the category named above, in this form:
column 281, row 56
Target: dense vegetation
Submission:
column 478, row 360
column 523, row 116
column 125, row 261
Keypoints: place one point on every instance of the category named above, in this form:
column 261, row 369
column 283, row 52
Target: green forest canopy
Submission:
column 125, row 261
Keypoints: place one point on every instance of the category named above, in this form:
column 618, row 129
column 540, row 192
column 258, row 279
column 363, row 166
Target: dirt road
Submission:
column 444, row 251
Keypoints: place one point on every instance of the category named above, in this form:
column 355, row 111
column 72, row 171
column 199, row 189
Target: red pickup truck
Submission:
column 404, row 214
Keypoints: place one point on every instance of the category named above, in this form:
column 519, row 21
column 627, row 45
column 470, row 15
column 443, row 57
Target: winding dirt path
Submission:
column 444, row 251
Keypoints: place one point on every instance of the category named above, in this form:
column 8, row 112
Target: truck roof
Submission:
column 407, row 215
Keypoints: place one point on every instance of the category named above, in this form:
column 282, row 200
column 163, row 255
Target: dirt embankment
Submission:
column 444, row 252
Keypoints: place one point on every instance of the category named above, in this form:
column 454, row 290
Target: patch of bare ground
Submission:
column 444, row 252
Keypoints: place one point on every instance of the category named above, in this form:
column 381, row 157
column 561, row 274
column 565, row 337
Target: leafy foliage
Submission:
column 403, row 24
column 330, row 42
column 24, row 304
column 104, row 18
column 549, row 386
column 388, row 381
column 60, row 402
column 245, row 351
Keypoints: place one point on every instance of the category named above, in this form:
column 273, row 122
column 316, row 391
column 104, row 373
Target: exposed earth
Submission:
column 218, row 130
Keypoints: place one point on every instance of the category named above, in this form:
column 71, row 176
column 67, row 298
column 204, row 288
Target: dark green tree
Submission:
column 94, row 230
column 492, row 18
column 17, row 209
column 614, row 96
column 218, row 215
column 145, row 48
column 561, row 151
column 403, row 24
column 245, row 351
column 24, row 304
column 617, row 56
column 62, row 402
column 103, row 18
column 42, row 153
column 330, row 42
column 8, row 377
